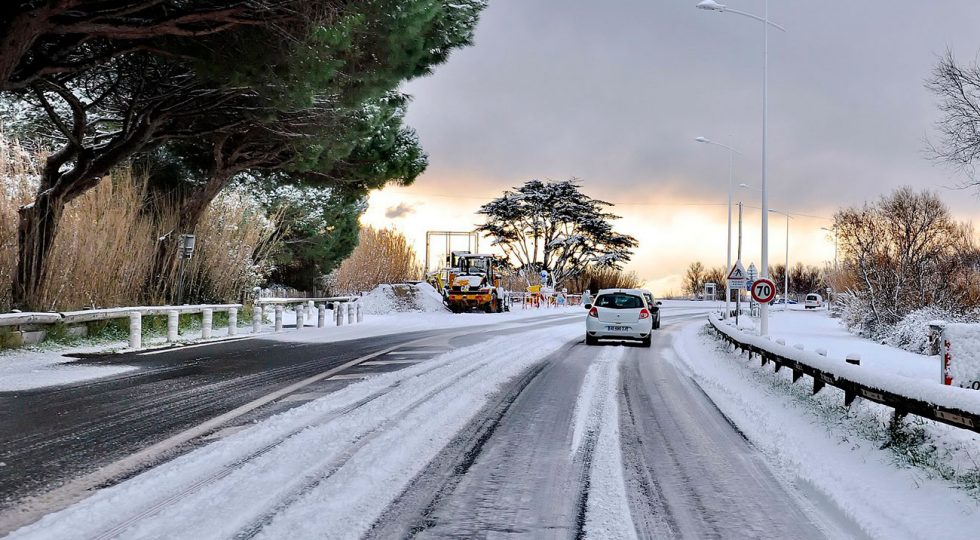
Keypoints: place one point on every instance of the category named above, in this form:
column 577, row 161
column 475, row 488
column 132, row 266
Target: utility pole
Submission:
column 738, row 292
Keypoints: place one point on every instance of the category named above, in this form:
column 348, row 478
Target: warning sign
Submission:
column 738, row 272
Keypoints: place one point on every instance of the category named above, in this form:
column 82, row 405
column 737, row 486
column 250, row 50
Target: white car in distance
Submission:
column 618, row 314
column 813, row 301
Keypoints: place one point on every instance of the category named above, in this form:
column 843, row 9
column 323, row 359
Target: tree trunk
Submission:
column 35, row 238
column 192, row 209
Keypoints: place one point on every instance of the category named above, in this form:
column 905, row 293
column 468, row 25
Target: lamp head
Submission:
column 701, row 139
column 711, row 5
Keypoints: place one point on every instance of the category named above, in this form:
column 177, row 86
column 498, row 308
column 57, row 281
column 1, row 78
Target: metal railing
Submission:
column 954, row 406
column 345, row 311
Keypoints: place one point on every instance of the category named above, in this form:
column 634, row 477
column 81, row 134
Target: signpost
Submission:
column 763, row 291
column 737, row 278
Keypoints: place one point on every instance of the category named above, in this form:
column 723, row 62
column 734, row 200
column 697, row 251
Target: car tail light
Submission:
column 644, row 314
column 594, row 313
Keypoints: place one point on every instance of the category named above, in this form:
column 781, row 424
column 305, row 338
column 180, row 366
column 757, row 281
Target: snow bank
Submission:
column 962, row 344
column 833, row 454
column 402, row 298
column 26, row 369
column 818, row 330
column 930, row 392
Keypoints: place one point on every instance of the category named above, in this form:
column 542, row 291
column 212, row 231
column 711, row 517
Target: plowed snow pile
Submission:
column 402, row 298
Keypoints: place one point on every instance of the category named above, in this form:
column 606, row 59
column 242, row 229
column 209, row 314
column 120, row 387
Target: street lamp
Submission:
column 711, row 5
column 731, row 182
column 832, row 230
column 786, row 270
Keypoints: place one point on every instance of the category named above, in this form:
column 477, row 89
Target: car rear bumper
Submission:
column 626, row 331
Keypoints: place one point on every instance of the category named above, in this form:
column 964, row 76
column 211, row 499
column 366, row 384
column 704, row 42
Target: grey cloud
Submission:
column 615, row 92
column 399, row 211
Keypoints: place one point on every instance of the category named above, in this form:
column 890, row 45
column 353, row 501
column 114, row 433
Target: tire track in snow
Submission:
column 605, row 508
column 229, row 460
column 446, row 471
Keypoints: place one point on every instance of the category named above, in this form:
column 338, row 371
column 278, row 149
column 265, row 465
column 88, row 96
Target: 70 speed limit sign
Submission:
column 763, row 290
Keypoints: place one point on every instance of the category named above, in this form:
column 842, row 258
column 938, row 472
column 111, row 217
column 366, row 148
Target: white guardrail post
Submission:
column 321, row 315
column 135, row 330
column 278, row 318
column 207, row 319
column 338, row 311
column 300, row 309
column 256, row 319
column 350, row 313
column 360, row 313
column 173, row 325
column 232, row 321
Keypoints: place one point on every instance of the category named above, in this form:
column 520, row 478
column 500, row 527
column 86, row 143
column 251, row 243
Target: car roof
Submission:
column 610, row 291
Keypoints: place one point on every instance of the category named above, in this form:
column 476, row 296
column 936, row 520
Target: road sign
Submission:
column 763, row 290
column 737, row 272
column 737, row 284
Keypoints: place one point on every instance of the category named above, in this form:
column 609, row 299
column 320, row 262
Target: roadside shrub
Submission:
column 107, row 243
column 912, row 332
column 18, row 170
column 381, row 256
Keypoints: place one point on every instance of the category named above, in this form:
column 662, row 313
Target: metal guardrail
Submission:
column 289, row 301
column 15, row 319
column 346, row 311
column 954, row 406
column 90, row 315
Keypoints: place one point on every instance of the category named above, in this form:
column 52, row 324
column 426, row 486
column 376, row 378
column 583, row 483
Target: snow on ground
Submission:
column 607, row 513
column 817, row 330
column 326, row 469
column 910, row 491
column 35, row 368
column 377, row 325
column 402, row 298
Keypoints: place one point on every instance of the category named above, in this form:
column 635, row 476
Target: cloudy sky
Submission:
column 614, row 93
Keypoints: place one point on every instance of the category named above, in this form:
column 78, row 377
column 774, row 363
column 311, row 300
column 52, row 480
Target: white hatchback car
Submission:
column 619, row 314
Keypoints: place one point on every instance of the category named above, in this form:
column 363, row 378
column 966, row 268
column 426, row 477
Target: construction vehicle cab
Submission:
column 474, row 283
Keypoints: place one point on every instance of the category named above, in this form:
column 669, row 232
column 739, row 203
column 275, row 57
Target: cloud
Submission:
column 400, row 211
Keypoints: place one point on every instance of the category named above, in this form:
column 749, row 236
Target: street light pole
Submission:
column 712, row 5
column 764, row 312
column 731, row 187
column 833, row 230
column 786, row 270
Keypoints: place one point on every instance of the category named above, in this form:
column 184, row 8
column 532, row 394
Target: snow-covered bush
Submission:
column 912, row 332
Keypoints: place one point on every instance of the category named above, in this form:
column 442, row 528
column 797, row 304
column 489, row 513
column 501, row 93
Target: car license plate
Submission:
column 618, row 328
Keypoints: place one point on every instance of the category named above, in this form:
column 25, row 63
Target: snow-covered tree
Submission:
column 553, row 226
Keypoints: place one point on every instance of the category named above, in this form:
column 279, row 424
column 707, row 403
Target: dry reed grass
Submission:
column 381, row 256
column 18, row 171
column 107, row 243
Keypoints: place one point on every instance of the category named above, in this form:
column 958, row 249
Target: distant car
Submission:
column 813, row 301
column 654, row 306
column 783, row 301
column 619, row 314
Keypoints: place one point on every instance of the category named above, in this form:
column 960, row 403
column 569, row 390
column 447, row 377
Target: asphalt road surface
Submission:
column 605, row 441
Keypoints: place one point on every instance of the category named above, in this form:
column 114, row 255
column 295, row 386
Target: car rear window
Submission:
column 619, row 301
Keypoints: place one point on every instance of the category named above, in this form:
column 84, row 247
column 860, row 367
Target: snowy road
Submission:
column 520, row 432
column 58, row 443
